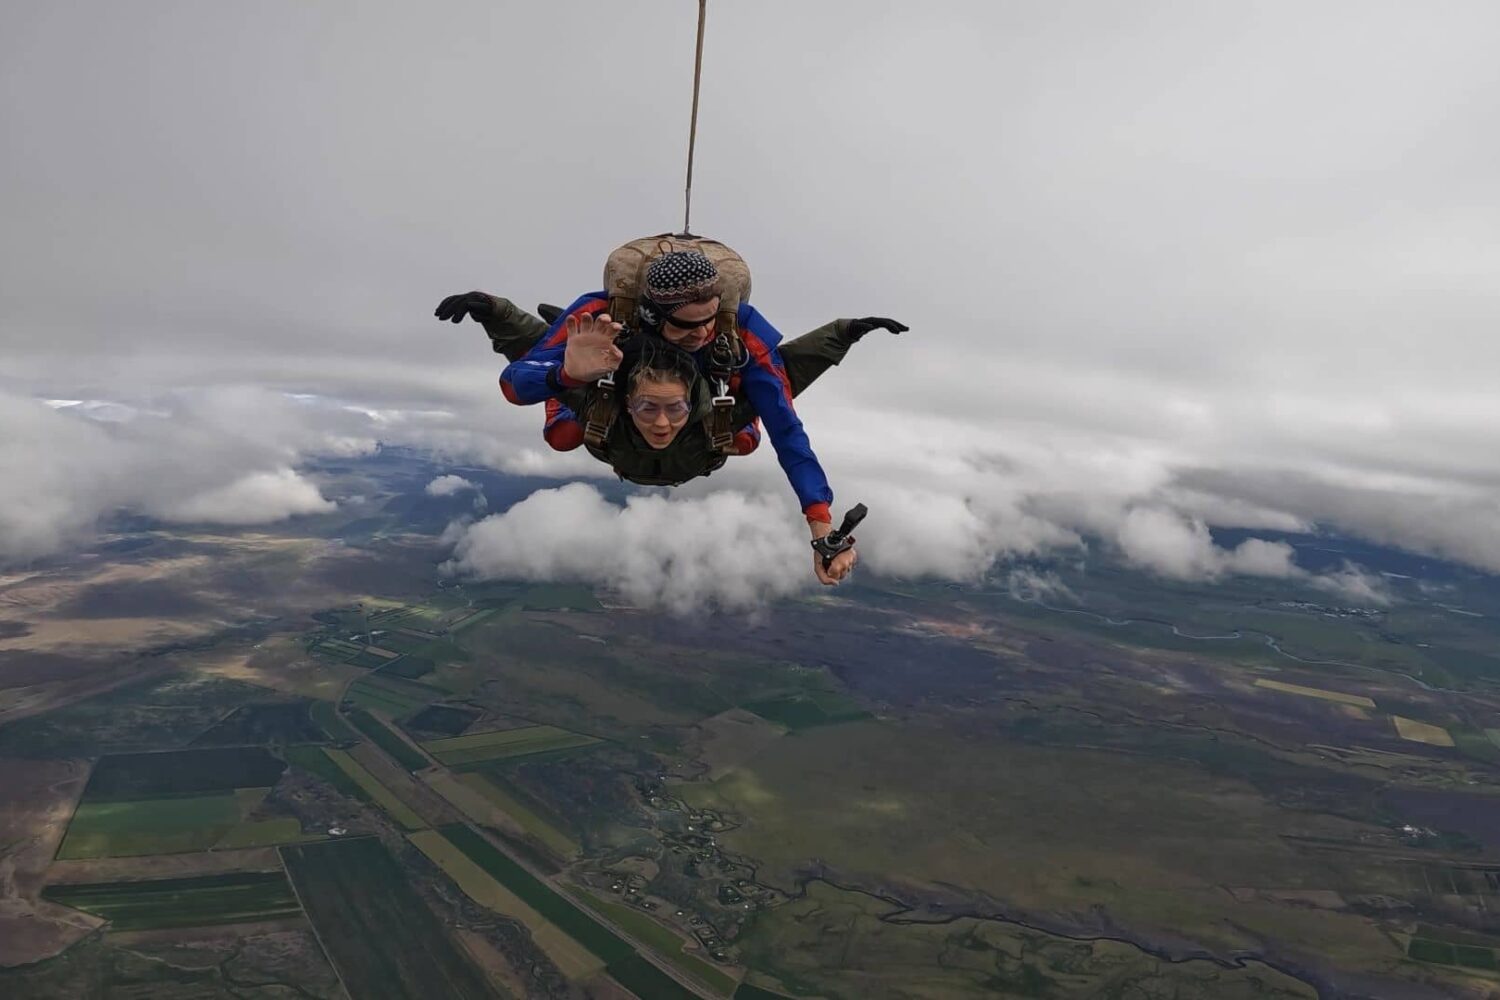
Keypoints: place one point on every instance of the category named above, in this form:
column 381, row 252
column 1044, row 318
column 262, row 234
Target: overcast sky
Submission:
column 1208, row 263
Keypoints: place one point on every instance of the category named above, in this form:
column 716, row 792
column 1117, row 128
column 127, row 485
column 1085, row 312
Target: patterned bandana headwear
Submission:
column 675, row 279
column 679, row 277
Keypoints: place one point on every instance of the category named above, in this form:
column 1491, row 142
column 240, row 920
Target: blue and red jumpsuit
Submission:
column 538, row 377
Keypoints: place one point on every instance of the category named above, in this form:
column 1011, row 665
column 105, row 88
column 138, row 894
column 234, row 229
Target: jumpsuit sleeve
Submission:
column 512, row 330
column 766, row 385
column 538, row 375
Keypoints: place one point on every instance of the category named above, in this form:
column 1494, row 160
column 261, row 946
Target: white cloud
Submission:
column 446, row 486
column 225, row 455
column 1257, row 557
column 725, row 550
column 1356, row 584
column 1174, row 545
column 1030, row 585
column 259, row 498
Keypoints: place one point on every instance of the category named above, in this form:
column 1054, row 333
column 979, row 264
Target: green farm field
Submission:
column 664, row 943
column 377, row 931
column 392, row 695
column 326, row 715
column 283, row 724
column 803, row 711
column 748, row 992
column 182, row 772
column 575, row 922
column 386, row 739
column 236, row 897
column 112, row 829
column 560, row 596
column 179, row 824
column 315, row 761
column 502, row 744
column 643, row 979
column 406, row 644
column 266, row 833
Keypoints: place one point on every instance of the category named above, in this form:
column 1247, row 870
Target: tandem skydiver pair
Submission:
column 672, row 344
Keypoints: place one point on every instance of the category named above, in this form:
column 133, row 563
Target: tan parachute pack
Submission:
column 625, row 274
column 624, row 278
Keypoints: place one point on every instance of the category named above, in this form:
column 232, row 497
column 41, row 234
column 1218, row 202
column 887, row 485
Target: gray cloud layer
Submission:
column 1166, row 265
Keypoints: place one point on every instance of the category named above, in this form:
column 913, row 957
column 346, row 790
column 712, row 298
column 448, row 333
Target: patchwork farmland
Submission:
column 378, row 932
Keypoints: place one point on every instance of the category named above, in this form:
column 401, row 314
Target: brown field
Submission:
column 1355, row 700
column 1422, row 732
column 467, row 800
column 194, row 938
column 36, row 800
column 492, row 963
column 557, row 841
column 72, row 633
column 250, row 859
column 280, row 664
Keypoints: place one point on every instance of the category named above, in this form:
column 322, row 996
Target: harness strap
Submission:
column 600, row 415
column 723, row 359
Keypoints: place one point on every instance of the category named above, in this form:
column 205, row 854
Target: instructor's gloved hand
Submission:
column 456, row 307
column 859, row 327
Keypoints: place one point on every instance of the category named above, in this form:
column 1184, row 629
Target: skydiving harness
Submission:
column 726, row 355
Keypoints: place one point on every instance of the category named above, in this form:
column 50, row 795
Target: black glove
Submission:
column 456, row 307
column 859, row 327
column 548, row 313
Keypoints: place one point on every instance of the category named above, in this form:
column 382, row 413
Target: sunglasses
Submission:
column 650, row 409
column 688, row 326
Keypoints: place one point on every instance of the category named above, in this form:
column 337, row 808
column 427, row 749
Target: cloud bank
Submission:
column 725, row 550
column 259, row 498
column 943, row 505
column 225, row 456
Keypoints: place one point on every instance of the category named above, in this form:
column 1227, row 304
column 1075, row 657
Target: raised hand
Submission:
column 591, row 352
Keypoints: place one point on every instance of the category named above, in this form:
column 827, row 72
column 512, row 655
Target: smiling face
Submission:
column 691, row 326
column 658, row 404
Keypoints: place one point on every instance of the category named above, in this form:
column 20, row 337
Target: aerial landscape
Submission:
column 431, row 567
column 309, row 762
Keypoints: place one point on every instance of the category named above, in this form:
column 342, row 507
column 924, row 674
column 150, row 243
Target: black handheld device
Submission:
column 841, row 538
